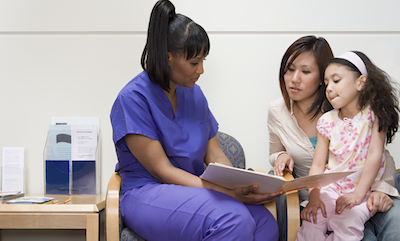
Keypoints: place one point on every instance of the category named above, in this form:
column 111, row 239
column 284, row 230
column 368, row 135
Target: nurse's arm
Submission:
column 214, row 153
column 151, row 155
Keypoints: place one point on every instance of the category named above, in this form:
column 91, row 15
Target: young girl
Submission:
column 365, row 115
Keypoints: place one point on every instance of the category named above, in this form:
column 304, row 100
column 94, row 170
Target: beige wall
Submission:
column 70, row 58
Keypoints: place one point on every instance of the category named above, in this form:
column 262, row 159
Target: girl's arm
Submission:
column 151, row 155
column 370, row 170
column 320, row 155
column 317, row 167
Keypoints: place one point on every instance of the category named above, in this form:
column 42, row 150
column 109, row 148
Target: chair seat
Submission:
column 128, row 234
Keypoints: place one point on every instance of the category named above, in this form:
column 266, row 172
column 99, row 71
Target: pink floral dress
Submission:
column 348, row 147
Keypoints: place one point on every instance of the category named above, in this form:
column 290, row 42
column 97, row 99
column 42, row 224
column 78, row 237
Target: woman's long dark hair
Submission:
column 172, row 33
column 379, row 92
column 322, row 52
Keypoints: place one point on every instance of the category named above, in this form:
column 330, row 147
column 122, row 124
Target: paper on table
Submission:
column 59, row 143
column 84, row 142
column 76, row 121
column 231, row 177
column 78, row 168
column 83, row 133
column 30, row 200
column 13, row 169
column 13, row 156
column 6, row 195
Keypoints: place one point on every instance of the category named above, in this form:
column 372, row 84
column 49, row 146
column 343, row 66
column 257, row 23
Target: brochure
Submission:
column 29, row 200
column 6, row 195
column 231, row 177
column 12, row 174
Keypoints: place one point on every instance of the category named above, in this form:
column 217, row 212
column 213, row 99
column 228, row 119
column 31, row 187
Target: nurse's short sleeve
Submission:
column 131, row 114
column 324, row 126
column 213, row 125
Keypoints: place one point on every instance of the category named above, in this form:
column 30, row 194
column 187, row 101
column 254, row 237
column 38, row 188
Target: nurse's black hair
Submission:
column 172, row 33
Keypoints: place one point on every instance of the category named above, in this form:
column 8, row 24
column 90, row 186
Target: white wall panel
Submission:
column 214, row 15
column 74, row 15
column 294, row 16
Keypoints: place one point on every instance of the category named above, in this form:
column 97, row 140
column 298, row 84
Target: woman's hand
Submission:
column 247, row 195
column 312, row 207
column 379, row 202
column 283, row 161
column 347, row 201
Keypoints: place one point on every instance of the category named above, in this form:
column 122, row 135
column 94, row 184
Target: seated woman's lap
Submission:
column 384, row 226
column 173, row 212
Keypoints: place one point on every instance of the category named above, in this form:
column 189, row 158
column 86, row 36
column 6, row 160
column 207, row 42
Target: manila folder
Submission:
column 231, row 177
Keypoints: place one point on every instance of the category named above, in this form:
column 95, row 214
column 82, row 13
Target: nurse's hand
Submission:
column 283, row 161
column 247, row 195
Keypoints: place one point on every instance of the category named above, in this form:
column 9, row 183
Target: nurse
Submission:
column 164, row 132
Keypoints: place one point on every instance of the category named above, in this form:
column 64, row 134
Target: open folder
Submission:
column 231, row 177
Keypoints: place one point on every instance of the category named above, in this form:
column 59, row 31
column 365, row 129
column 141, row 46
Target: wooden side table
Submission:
column 82, row 212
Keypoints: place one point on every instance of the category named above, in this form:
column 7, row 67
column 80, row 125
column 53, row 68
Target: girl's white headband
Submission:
column 356, row 60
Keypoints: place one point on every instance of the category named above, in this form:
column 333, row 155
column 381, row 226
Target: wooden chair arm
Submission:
column 292, row 210
column 293, row 214
column 112, row 207
column 272, row 209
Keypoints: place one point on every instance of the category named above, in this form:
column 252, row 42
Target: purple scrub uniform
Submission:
column 159, row 211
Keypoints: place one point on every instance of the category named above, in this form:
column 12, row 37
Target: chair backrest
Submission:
column 232, row 149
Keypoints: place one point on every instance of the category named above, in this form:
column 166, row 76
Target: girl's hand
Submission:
column 347, row 201
column 312, row 207
column 247, row 195
column 283, row 161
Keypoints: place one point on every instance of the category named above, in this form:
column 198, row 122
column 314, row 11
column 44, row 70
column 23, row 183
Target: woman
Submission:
column 164, row 132
column 292, row 130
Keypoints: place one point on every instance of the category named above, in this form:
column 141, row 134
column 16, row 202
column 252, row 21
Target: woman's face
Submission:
column 185, row 72
column 302, row 78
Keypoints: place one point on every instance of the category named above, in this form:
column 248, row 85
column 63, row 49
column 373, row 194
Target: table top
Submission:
column 78, row 203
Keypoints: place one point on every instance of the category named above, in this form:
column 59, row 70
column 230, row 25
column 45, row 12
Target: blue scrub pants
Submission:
column 173, row 212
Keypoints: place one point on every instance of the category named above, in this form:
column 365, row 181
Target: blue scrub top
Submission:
column 143, row 108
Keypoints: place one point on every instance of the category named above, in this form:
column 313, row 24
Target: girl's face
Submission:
column 343, row 87
column 185, row 72
column 302, row 78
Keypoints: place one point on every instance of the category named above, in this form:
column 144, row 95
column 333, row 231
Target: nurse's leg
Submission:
column 172, row 212
column 266, row 225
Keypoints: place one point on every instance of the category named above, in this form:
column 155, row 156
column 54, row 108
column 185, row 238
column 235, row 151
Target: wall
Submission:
column 70, row 58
